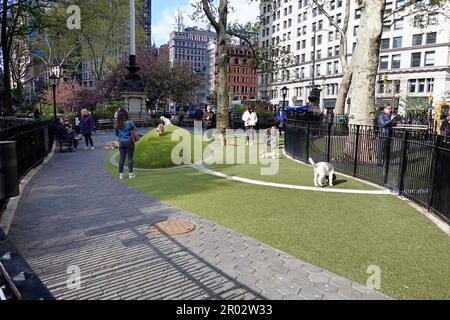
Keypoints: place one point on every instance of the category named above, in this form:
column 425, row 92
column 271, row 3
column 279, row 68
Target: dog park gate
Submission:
column 411, row 163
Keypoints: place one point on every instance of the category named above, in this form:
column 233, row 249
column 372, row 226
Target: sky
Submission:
column 164, row 11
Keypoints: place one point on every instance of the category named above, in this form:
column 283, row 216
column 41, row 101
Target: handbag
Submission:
column 135, row 136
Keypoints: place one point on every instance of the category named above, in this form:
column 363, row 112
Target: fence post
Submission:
column 329, row 142
column 387, row 157
column 433, row 171
column 308, row 136
column 403, row 163
column 355, row 163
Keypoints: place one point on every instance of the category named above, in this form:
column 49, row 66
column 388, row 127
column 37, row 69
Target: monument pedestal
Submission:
column 134, row 103
column 132, row 93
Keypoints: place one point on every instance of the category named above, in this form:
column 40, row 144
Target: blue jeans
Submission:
column 126, row 149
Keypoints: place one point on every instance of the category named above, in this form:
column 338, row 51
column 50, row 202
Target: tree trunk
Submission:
column 343, row 90
column 7, row 95
column 222, row 50
column 365, row 61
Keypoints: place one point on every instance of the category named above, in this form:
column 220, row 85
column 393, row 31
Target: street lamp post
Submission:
column 284, row 91
column 54, row 82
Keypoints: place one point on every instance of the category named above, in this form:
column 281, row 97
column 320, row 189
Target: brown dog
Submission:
column 160, row 130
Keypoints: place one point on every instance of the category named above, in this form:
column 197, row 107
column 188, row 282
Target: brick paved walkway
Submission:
column 74, row 213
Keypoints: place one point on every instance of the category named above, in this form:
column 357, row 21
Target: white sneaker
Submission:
column 121, row 176
column 92, row 148
column 131, row 176
column 86, row 148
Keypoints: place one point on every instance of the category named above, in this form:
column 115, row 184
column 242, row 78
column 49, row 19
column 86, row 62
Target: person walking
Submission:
column 250, row 120
column 123, row 128
column 86, row 128
column 208, row 121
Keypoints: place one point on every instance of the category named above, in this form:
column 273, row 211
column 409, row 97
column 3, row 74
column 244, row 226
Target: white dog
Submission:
column 322, row 170
column 269, row 155
column 166, row 121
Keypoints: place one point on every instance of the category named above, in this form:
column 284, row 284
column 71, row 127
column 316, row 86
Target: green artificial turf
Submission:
column 153, row 152
column 343, row 233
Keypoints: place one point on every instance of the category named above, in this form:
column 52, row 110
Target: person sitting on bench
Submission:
column 63, row 134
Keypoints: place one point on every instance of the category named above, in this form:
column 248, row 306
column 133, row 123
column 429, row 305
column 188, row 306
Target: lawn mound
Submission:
column 153, row 152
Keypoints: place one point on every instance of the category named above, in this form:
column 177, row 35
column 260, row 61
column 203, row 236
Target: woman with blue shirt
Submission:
column 123, row 129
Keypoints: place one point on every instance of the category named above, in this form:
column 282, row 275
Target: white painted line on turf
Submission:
column 201, row 168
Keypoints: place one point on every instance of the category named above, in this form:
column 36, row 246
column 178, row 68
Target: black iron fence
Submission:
column 34, row 141
column 412, row 163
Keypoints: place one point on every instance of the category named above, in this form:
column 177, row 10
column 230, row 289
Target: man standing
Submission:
column 385, row 122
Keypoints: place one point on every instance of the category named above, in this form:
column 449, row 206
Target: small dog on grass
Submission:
column 166, row 121
column 112, row 145
column 322, row 170
column 160, row 130
column 269, row 155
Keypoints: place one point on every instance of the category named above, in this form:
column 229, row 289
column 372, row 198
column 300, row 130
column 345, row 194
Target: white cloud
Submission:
column 244, row 11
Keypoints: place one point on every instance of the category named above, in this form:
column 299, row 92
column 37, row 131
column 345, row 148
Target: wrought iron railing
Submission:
column 412, row 163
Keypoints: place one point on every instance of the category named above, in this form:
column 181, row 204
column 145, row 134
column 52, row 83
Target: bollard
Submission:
column 9, row 175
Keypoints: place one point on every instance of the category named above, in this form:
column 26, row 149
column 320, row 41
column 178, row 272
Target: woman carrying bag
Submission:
column 126, row 131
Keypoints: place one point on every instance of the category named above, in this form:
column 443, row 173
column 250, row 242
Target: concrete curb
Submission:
column 8, row 215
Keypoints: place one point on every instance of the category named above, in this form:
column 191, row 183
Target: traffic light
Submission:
column 314, row 95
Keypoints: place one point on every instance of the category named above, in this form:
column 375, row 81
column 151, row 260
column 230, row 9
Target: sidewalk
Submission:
column 74, row 213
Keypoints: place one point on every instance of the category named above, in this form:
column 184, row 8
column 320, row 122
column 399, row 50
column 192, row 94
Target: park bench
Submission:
column 412, row 127
column 106, row 124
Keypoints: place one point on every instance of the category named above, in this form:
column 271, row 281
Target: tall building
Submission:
column 188, row 46
column 414, row 60
column 147, row 21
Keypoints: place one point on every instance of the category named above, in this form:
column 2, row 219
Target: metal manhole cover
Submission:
column 172, row 227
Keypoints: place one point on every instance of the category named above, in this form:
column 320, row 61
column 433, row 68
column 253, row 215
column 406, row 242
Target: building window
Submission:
column 431, row 38
column 330, row 52
column 330, row 36
column 336, row 50
column 430, row 85
column 319, row 54
column 384, row 62
column 397, row 42
column 336, row 67
column 395, row 63
column 417, row 40
column 387, row 25
column 398, row 24
column 388, row 7
column 317, row 69
column 412, row 86
column 355, row 30
column 319, row 39
column 339, row 18
column 415, row 59
column 357, row 14
column 303, row 44
column 328, row 68
column 380, row 87
column 399, row 3
column 385, row 43
column 429, row 58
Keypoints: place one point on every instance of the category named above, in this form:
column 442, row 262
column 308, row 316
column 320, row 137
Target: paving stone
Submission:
column 311, row 294
column 350, row 293
column 326, row 288
column 319, row 277
column 278, row 268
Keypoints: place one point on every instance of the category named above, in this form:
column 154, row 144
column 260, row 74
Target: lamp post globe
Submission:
column 54, row 82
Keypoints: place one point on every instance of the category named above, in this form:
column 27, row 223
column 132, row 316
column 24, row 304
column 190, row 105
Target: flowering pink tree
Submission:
column 71, row 96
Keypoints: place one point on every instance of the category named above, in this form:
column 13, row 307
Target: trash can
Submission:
column 9, row 174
